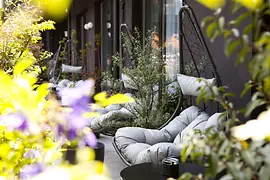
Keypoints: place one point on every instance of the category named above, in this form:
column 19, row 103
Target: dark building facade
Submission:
column 98, row 22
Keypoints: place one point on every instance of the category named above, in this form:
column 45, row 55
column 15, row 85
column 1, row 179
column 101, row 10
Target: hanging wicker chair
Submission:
column 56, row 66
column 137, row 145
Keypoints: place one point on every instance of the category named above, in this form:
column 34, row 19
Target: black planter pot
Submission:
column 99, row 152
column 97, row 135
column 70, row 155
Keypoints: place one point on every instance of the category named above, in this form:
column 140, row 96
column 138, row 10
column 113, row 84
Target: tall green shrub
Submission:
column 146, row 72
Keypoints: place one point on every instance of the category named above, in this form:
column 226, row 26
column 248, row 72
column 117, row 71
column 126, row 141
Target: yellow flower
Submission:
column 212, row 4
column 114, row 99
column 17, row 93
column 251, row 4
column 255, row 129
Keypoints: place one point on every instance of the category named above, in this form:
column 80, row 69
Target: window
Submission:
column 106, row 34
column 171, row 31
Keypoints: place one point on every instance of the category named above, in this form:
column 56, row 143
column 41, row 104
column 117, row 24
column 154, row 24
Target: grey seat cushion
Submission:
column 157, row 152
column 130, row 135
column 182, row 121
column 101, row 122
column 216, row 121
column 141, row 145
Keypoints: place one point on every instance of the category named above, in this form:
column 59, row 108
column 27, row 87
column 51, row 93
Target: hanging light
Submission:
column 109, row 25
column 88, row 26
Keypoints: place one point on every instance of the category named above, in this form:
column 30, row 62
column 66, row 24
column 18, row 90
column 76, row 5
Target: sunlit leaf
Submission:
column 227, row 47
column 212, row 4
column 211, row 29
column 100, row 96
column 55, row 9
column 251, row 4
column 119, row 99
column 21, row 66
column 91, row 114
column 206, row 20
column 241, row 18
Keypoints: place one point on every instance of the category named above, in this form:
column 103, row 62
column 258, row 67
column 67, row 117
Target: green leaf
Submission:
column 264, row 173
column 235, row 7
column 221, row 22
column 227, row 33
column 267, row 12
column 248, row 158
column 231, row 46
column 226, row 177
column 241, row 18
column 253, row 105
column 206, row 20
column 200, row 97
column 196, row 156
column 223, row 147
column 266, row 86
column 186, row 176
column 233, row 170
column 247, row 88
column 213, row 165
column 222, row 89
column 211, row 29
column 228, row 95
column 248, row 29
column 185, row 153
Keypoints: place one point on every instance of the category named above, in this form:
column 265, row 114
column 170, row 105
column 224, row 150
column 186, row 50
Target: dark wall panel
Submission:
column 232, row 76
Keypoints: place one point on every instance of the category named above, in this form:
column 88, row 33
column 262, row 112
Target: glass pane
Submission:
column 171, row 30
column 152, row 15
column 106, row 35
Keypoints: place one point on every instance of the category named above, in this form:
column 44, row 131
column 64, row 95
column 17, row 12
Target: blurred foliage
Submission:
column 30, row 137
column 54, row 9
column 237, row 152
column 20, row 34
column 35, row 131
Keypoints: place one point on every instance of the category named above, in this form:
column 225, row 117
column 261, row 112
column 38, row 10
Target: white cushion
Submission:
column 71, row 69
column 63, row 83
column 128, row 83
column 190, row 85
column 215, row 121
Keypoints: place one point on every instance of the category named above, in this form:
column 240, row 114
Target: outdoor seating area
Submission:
column 134, row 90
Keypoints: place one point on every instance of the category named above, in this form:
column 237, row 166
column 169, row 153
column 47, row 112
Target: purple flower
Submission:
column 76, row 120
column 72, row 134
column 81, row 105
column 31, row 170
column 74, row 94
column 32, row 154
column 15, row 121
column 90, row 140
column 60, row 129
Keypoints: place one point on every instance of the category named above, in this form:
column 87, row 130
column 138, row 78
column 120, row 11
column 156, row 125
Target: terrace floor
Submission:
column 111, row 159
